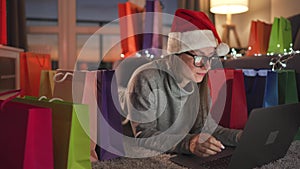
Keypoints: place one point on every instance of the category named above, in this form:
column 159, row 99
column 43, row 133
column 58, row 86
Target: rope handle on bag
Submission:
column 64, row 76
column 18, row 92
column 44, row 60
column 51, row 100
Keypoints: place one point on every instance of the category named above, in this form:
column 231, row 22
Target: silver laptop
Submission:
column 267, row 136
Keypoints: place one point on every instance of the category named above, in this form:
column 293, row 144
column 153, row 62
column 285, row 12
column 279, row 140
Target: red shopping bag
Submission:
column 228, row 96
column 3, row 23
column 26, row 135
column 31, row 66
column 131, row 28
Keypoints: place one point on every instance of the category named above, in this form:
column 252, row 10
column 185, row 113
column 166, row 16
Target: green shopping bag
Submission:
column 47, row 83
column 287, row 87
column 70, row 127
column 281, row 36
column 287, row 90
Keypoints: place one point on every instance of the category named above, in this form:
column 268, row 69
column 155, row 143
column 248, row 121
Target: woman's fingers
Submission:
column 214, row 144
column 205, row 150
column 204, row 145
column 211, row 147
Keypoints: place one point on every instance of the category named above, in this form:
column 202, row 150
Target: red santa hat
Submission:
column 192, row 30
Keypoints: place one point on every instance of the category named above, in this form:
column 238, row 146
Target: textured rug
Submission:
column 290, row 161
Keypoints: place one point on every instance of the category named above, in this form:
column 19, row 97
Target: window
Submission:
column 55, row 27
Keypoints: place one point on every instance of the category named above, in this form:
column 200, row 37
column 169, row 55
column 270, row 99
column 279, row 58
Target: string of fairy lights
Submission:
column 278, row 60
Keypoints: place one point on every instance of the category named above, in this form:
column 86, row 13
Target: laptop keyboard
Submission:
column 220, row 163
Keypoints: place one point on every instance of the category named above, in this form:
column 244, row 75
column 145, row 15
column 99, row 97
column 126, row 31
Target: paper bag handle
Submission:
column 62, row 79
column 51, row 100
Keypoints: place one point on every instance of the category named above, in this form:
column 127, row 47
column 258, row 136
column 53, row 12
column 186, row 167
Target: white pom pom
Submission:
column 222, row 49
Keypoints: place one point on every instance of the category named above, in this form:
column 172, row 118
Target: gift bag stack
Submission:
column 266, row 38
column 59, row 118
column 277, row 85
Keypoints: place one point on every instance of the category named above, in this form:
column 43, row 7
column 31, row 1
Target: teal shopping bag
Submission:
column 281, row 36
column 70, row 126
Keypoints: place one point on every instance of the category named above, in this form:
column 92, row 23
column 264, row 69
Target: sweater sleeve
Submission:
column 162, row 142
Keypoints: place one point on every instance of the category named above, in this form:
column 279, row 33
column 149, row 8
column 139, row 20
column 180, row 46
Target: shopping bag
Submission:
column 131, row 40
column 148, row 29
column 70, row 132
column 26, row 135
column 110, row 135
column 227, row 86
column 287, row 87
column 67, row 86
column 3, row 23
column 287, row 90
column 259, row 38
column 152, row 39
column 281, row 36
column 31, row 65
column 255, row 81
column 281, row 88
column 79, row 87
column 47, row 83
column 123, row 28
column 89, row 97
column 271, row 90
column 157, row 29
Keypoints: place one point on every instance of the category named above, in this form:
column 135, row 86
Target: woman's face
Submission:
column 201, row 69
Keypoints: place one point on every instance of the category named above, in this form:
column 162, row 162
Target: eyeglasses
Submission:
column 200, row 61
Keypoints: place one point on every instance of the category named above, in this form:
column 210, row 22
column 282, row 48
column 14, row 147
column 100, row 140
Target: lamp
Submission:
column 229, row 7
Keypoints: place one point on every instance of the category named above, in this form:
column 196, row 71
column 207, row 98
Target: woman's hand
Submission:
column 204, row 145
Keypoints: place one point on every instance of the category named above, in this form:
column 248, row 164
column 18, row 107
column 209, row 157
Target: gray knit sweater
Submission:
column 164, row 115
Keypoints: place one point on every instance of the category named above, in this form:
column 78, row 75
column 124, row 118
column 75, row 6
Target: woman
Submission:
column 167, row 100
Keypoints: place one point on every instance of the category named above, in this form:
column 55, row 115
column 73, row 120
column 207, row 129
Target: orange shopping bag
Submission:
column 259, row 38
column 31, row 66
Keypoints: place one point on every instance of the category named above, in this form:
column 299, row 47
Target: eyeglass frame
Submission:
column 203, row 59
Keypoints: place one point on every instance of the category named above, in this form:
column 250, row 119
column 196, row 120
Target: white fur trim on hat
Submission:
column 179, row 42
column 222, row 49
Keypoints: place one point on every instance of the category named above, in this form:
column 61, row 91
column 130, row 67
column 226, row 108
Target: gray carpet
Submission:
column 290, row 161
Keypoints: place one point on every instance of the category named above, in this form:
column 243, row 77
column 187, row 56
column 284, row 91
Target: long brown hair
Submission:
column 204, row 104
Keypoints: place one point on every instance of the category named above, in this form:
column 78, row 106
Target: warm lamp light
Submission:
column 229, row 7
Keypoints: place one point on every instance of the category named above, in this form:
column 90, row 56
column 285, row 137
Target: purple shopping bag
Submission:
column 148, row 29
column 110, row 131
